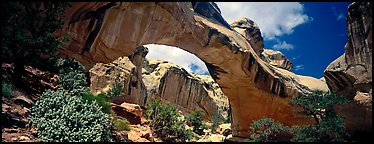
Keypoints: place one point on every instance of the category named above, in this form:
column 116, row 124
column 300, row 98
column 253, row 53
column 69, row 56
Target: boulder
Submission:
column 120, row 136
column 23, row 101
column 128, row 112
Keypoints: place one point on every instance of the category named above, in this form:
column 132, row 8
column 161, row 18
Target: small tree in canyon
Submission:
column 329, row 126
column 166, row 122
column 28, row 34
column 196, row 120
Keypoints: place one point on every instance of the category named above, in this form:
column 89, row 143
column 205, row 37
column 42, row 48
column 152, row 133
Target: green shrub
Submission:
column 6, row 90
column 267, row 130
column 217, row 119
column 115, row 90
column 72, row 77
column 99, row 99
column 120, row 123
column 227, row 120
column 196, row 120
column 328, row 130
column 319, row 105
column 178, row 129
column 59, row 117
column 165, row 121
column 151, row 108
column 67, row 65
column 329, row 126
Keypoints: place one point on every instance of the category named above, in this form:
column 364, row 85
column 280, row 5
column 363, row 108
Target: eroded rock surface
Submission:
column 127, row 72
column 187, row 91
column 276, row 58
column 350, row 75
column 250, row 30
column 103, row 31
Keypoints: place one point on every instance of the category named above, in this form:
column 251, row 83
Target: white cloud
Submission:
column 299, row 67
column 177, row 56
column 283, row 45
column 274, row 19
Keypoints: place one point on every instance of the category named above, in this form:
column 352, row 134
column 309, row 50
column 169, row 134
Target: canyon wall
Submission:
column 127, row 71
column 184, row 90
column 350, row 75
column 158, row 79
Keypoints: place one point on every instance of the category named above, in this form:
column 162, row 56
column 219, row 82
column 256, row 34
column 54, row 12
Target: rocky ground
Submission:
column 16, row 109
column 141, row 132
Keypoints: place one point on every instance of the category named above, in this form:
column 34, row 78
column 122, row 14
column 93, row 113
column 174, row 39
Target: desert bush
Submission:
column 72, row 77
column 59, row 117
column 6, row 89
column 195, row 119
column 67, row 65
column 267, row 130
column 115, row 90
column 328, row 130
column 99, row 99
column 166, row 122
column 329, row 126
column 120, row 123
column 319, row 105
column 216, row 119
column 227, row 120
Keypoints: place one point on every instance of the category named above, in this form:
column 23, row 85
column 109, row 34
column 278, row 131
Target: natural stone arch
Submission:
column 102, row 32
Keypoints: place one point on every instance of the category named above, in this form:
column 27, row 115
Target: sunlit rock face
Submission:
column 188, row 92
column 250, row 30
column 101, row 32
column 350, row 75
column 276, row 58
column 159, row 79
column 125, row 70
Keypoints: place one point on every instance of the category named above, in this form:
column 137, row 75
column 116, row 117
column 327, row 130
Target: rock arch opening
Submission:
column 254, row 88
column 176, row 55
column 182, row 79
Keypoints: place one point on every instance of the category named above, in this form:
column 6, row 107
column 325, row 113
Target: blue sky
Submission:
column 310, row 34
column 318, row 42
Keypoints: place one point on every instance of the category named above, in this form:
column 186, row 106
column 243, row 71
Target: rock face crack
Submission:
column 97, row 20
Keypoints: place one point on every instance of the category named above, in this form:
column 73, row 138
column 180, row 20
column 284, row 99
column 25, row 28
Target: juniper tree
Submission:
column 28, row 34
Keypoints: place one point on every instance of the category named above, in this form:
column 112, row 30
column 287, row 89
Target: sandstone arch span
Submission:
column 103, row 31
